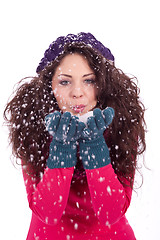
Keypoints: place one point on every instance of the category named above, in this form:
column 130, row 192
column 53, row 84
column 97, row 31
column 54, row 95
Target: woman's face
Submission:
column 74, row 85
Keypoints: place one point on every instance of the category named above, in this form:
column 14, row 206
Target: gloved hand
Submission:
column 93, row 148
column 66, row 130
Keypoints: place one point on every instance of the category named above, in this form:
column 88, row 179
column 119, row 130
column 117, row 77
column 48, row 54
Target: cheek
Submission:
column 92, row 94
column 61, row 96
column 57, row 91
column 94, row 97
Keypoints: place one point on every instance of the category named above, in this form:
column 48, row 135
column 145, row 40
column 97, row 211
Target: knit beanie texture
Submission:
column 56, row 48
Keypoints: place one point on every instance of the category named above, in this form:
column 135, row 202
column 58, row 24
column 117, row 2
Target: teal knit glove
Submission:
column 93, row 148
column 66, row 130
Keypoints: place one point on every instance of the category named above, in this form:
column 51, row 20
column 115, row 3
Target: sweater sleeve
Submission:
column 109, row 197
column 48, row 197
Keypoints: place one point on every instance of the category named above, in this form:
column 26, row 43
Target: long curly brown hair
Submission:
column 34, row 99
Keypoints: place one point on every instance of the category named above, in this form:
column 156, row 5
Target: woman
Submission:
column 79, row 177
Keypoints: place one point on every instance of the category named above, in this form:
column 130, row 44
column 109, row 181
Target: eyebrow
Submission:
column 66, row 75
column 85, row 75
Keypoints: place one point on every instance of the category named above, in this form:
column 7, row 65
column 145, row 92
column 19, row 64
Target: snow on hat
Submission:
column 56, row 48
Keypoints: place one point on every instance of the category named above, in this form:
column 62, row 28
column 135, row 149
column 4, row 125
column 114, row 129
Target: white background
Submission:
column 131, row 30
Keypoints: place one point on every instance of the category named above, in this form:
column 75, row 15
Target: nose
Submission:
column 77, row 92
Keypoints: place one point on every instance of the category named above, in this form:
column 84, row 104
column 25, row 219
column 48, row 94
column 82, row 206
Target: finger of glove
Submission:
column 79, row 128
column 52, row 121
column 108, row 114
column 97, row 113
column 63, row 125
column 86, row 133
column 71, row 134
column 92, row 126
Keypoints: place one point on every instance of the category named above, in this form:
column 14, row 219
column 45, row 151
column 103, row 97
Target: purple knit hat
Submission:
column 56, row 48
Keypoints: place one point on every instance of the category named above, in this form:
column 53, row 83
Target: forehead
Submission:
column 74, row 62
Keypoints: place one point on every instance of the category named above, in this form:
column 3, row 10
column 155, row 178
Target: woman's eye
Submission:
column 90, row 81
column 64, row 82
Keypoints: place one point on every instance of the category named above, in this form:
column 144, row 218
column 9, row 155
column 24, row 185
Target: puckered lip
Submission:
column 78, row 108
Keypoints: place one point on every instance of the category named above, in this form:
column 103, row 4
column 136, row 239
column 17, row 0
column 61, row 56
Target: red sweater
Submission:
column 75, row 204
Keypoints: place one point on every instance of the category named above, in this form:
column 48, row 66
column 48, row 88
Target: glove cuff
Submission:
column 95, row 153
column 62, row 155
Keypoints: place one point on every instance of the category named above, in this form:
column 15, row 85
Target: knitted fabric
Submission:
column 62, row 155
column 93, row 148
column 65, row 130
column 94, row 154
column 56, row 48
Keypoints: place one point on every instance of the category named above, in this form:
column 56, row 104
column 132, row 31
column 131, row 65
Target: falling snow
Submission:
column 109, row 190
column 101, row 179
